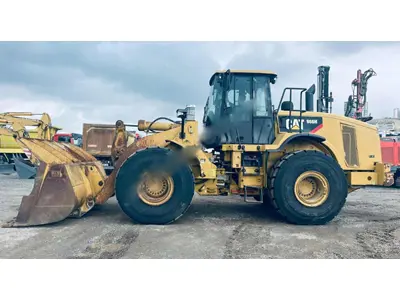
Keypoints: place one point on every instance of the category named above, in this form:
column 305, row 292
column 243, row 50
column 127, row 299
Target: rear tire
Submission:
column 326, row 185
column 174, row 194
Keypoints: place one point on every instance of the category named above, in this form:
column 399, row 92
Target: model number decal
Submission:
column 305, row 124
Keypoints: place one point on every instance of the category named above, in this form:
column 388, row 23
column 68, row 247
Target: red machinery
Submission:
column 73, row 138
column 390, row 147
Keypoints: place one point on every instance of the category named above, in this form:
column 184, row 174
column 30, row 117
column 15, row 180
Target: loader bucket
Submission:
column 66, row 183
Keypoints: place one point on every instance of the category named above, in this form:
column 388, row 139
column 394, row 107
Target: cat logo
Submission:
column 295, row 127
column 304, row 124
column 296, row 124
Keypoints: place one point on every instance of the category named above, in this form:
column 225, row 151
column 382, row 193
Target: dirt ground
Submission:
column 218, row 227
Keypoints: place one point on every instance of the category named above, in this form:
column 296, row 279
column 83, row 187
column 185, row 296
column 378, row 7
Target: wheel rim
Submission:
column 155, row 189
column 311, row 189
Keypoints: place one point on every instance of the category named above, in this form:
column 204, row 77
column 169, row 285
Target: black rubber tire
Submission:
column 284, row 175
column 159, row 159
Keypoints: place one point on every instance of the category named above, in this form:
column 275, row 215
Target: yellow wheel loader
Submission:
column 298, row 162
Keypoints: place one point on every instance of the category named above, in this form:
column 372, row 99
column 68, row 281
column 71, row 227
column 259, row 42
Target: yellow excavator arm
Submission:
column 7, row 132
column 13, row 125
column 18, row 122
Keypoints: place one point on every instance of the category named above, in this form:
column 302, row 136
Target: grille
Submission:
column 350, row 145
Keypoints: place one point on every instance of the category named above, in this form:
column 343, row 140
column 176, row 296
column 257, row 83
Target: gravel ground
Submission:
column 217, row 227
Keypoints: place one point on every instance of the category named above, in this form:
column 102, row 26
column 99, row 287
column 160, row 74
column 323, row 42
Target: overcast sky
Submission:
column 104, row 82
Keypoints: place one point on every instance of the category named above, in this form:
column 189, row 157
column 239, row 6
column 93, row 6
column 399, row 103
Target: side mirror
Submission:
column 310, row 98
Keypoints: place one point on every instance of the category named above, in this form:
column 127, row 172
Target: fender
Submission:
column 207, row 169
column 305, row 136
column 175, row 143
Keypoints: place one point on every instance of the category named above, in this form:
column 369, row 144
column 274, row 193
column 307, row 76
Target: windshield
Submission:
column 247, row 94
column 64, row 138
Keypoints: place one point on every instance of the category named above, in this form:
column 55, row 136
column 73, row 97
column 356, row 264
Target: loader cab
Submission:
column 239, row 109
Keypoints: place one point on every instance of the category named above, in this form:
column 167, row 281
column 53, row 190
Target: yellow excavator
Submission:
column 301, row 163
column 19, row 121
column 12, row 156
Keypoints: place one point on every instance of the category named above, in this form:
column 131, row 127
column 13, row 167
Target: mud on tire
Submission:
column 154, row 160
column 283, row 179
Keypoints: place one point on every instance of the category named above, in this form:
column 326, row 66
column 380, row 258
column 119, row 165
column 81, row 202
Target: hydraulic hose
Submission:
column 158, row 119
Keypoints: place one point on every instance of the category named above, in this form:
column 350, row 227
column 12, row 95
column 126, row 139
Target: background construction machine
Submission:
column 98, row 140
column 357, row 107
column 12, row 156
column 298, row 162
column 67, row 137
column 356, row 104
column 324, row 95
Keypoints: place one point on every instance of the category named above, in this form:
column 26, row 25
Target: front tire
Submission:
column 154, row 186
column 308, row 188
